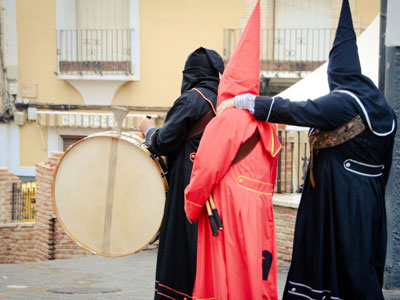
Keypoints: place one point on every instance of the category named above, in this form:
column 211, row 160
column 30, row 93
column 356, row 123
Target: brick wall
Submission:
column 65, row 247
column 285, row 218
column 44, row 211
column 7, row 178
column 40, row 240
column 17, row 243
column 54, row 242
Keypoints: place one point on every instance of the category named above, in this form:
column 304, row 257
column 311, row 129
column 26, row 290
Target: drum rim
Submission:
column 53, row 198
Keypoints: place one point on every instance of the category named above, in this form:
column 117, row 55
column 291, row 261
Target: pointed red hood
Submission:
column 242, row 74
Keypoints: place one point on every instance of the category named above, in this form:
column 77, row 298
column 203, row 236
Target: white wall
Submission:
column 66, row 14
column 310, row 37
column 9, row 150
column 303, row 14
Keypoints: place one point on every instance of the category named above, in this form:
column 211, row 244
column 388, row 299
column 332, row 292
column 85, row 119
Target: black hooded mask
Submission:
column 201, row 65
column 344, row 74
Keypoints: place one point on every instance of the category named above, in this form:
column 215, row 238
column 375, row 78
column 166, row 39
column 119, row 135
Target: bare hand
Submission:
column 145, row 123
column 226, row 104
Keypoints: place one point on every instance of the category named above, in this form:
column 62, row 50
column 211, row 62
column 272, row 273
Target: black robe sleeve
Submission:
column 325, row 113
column 181, row 116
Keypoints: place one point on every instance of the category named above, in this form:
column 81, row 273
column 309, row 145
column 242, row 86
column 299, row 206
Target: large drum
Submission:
column 109, row 193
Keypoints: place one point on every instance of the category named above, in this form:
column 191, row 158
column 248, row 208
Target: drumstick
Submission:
column 211, row 219
column 215, row 213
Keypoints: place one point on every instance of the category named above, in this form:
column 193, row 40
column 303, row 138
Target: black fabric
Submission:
column 344, row 53
column 266, row 263
column 176, row 260
column 344, row 73
column 340, row 236
column 203, row 64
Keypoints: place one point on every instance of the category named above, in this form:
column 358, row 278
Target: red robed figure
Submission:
column 239, row 263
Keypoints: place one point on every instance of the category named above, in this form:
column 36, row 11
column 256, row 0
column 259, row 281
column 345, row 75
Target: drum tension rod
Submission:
column 164, row 173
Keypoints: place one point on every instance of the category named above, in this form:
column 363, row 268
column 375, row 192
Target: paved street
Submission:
column 90, row 278
column 130, row 277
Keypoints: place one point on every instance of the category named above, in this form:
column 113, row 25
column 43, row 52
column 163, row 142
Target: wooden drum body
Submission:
column 109, row 193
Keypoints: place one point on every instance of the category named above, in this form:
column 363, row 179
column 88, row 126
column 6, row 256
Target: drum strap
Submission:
column 201, row 124
column 247, row 147
column 110, row 195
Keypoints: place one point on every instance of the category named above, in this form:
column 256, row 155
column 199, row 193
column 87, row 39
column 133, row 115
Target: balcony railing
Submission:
column 94, row 51
column 292, row 162
column 287, row 50
column 23, row 201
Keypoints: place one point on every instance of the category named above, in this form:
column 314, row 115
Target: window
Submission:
column 98, row 37
column 68, row 140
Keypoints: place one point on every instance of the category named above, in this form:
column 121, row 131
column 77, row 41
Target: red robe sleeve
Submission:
column 218, row 147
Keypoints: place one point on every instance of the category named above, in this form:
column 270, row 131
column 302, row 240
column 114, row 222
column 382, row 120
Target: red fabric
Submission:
column 229, row 266
column 242, row 74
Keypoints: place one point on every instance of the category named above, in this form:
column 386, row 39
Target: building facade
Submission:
column 67, row 62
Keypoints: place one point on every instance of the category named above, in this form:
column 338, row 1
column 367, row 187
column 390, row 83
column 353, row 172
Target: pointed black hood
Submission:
column 201, row 65
column 344, row 73
column 343, row 57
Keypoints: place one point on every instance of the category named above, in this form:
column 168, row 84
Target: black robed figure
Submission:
column 340, row 235
column 176, row 260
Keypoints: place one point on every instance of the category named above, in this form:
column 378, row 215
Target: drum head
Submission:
column 109, row 195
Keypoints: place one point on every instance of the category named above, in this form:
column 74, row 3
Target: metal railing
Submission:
column 94, row 51
column 23, row 201
column 287, row 50
column 292, row 162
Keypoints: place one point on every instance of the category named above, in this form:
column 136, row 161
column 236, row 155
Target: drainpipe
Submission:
column 2, row 74
column 382, row 48
column 273, row 28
